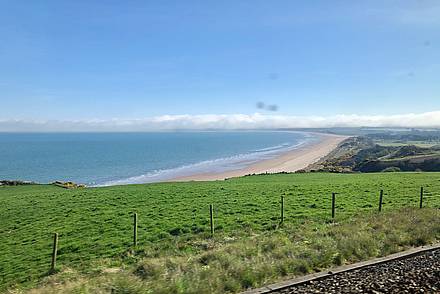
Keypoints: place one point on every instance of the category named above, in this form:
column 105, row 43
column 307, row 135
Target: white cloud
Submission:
column 223, row 121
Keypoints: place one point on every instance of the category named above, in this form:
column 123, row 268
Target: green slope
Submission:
column 96, row 223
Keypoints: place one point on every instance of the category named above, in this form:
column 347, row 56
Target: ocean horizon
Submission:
column 105, row 159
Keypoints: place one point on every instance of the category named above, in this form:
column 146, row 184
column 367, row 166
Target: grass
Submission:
column 231, row 265
column 175, row 253
column 391, row 143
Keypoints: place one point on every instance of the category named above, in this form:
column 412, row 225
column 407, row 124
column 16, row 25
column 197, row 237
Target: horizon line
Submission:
column 256, row 121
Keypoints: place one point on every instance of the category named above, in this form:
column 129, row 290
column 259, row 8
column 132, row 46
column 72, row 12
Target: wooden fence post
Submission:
column 333, row 204
column 380, row 200
column 135, row 225
column 282, row 209
column 421, row 197
column 54, row 252
column 211, row 216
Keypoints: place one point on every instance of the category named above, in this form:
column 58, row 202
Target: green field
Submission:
column 423, row 144
column 95, row 224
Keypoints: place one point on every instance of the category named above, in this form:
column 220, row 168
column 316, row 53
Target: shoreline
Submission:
column 292, row 160
column 289, row 161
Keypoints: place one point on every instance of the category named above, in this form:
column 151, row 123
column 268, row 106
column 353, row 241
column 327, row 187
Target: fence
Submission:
column 212, row 225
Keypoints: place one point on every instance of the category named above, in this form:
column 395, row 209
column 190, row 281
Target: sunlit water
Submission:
column 124, row 158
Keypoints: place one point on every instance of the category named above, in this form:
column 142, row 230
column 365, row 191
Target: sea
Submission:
column 105, row 159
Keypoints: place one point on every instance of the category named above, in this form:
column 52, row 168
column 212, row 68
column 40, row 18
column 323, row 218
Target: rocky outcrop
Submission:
column 68, row 185
column 15, row 183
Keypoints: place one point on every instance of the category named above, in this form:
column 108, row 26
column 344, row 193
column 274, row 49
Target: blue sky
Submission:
column 101, row 60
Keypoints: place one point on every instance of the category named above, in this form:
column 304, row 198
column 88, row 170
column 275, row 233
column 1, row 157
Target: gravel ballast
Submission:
column 416, row 274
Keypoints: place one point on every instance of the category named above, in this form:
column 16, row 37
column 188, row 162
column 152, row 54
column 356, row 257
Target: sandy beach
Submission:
column 290, row 161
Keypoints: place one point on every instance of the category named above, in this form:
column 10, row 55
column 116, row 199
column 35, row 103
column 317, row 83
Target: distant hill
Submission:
column 363, row 154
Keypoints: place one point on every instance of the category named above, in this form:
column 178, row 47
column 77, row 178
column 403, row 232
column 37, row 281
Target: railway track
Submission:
column 414, row 271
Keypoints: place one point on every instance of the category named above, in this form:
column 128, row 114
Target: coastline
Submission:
column 289, row 161
column 306, row 153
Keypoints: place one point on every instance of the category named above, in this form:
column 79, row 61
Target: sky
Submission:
column 145, row 64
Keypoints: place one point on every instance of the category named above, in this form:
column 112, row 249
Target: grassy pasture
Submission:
column 391, row 143
column 96, row 224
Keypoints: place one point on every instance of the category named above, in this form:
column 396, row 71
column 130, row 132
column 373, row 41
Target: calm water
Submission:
column 123, row 158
